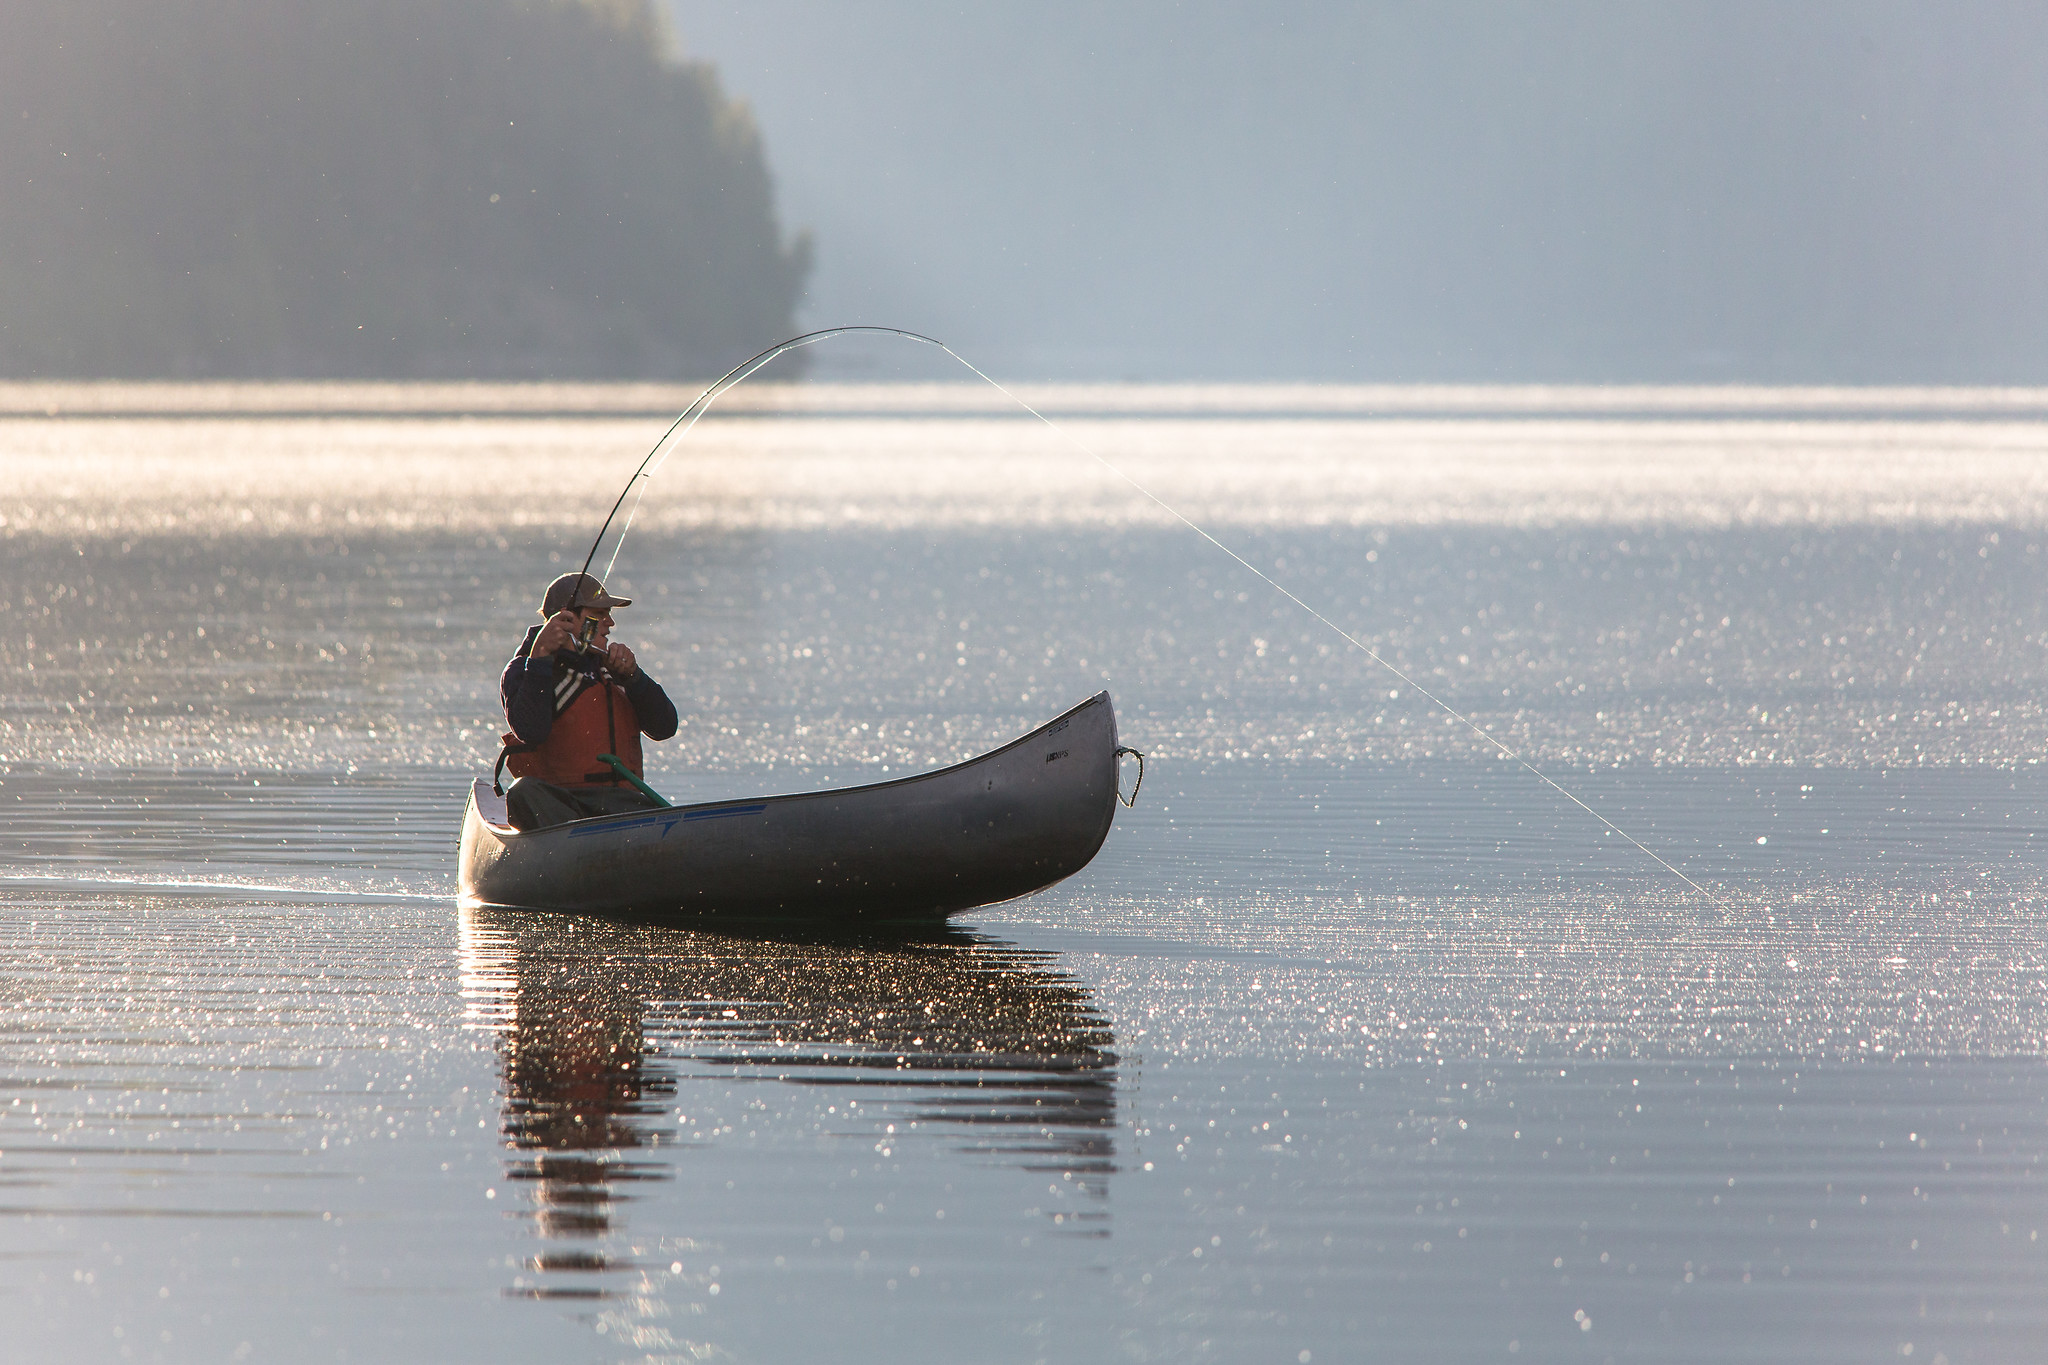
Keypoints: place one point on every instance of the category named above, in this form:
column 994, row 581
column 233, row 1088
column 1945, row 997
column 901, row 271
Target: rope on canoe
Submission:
column 1121, row 750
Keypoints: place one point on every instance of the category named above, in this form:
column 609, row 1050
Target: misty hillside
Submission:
column 389, row 188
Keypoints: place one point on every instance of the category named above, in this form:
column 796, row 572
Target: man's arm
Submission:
column 656, row 712
column 528, row 693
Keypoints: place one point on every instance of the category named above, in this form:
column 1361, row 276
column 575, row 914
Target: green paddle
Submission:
column 623, row 771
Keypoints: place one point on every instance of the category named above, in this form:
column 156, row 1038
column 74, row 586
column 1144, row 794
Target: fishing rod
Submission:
column 690, row 416
column 649, row 466
column 740, row 372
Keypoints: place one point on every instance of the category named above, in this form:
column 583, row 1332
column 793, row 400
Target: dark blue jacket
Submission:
column 528, row 692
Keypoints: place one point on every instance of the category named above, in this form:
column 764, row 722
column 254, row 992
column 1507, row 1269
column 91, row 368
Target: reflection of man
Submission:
column 999, row 1046
column 570, row 695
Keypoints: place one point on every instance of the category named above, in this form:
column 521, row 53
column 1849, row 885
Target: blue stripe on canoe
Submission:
column 667, row 819
column 724, row 811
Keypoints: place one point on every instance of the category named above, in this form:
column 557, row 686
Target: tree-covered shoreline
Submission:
column 377, row 189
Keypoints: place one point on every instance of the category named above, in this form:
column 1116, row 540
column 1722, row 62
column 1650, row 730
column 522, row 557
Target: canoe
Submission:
column 1008, row 823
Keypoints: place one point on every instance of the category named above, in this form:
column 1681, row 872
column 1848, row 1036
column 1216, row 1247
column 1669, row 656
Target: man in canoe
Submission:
column 572, row 694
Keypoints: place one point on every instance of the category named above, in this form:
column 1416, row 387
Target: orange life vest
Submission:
column 599, row 721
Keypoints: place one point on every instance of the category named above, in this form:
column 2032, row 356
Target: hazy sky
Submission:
column 1730, row 190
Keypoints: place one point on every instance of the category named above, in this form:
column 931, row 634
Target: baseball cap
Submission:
column 575, row 591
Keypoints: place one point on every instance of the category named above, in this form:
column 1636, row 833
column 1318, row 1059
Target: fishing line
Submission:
column 696, row 410
column 1344, row 634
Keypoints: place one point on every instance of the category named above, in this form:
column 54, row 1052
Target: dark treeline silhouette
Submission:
column 376, row 188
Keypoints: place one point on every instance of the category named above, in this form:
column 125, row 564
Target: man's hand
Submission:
column 619, row 660
column 559, row 633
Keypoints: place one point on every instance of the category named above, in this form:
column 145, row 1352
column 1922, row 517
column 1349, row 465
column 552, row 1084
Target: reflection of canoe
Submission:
column 605, row 1031
column 1007, row 823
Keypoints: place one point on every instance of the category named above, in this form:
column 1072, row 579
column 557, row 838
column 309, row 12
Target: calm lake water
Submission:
column 1355, row 1042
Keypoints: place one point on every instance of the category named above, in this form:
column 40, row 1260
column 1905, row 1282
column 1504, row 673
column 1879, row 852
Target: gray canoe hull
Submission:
column 1002, row 825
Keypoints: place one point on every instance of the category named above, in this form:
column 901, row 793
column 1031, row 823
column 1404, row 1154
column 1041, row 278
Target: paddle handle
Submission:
column 623, row 771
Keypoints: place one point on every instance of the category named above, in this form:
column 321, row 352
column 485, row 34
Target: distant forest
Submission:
column 376, row 188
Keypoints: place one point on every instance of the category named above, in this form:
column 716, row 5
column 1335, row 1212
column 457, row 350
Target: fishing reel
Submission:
column 579, row 643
